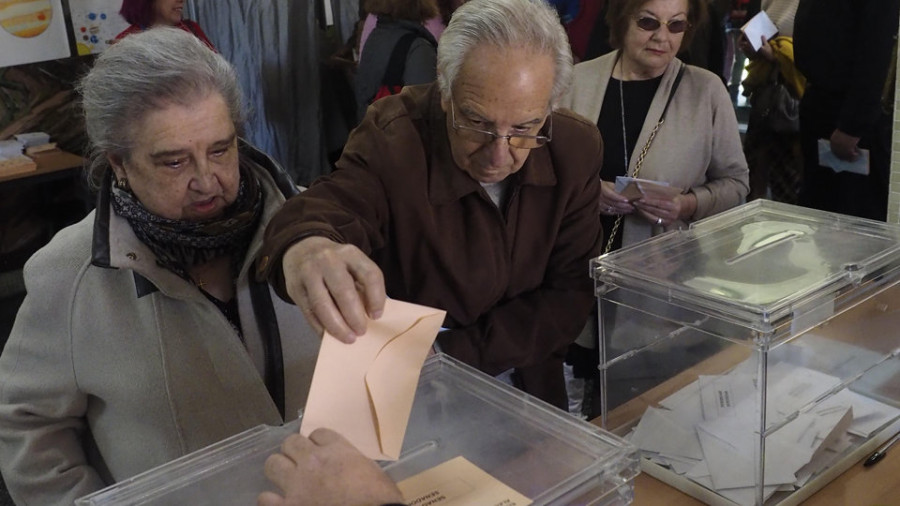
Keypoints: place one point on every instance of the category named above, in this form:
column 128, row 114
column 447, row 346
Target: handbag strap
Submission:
column 640, row 160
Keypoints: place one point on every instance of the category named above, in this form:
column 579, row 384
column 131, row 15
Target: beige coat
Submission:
column 110, row 371
column 698, row 148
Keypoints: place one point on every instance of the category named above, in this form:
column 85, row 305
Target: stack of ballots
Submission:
column 707, row 431
column 12, row 159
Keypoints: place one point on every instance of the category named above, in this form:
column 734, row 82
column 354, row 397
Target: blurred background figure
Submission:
column 400, row 50
column 846, row 49
column 772, row 147
column 142, row 14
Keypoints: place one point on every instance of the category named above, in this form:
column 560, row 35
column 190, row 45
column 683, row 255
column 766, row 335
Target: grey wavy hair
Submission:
column 505, row 24
column 142, row 73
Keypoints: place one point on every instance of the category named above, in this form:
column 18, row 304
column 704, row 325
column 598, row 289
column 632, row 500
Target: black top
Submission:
column 637, row 98
column 843, row 48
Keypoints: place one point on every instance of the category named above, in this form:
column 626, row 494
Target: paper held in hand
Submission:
column 636, row 188
column 365, row 390
column 759, row 26
column 827, row 158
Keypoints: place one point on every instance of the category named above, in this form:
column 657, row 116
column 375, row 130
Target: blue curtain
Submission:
column 277, row 47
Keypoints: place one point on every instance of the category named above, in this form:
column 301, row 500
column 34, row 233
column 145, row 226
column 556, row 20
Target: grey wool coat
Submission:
column 116, row 365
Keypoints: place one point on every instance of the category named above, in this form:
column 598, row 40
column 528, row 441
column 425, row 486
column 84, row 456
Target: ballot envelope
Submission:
column 755, row 355
column 470, row 440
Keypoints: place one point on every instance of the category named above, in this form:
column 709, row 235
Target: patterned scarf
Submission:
column 179, row 244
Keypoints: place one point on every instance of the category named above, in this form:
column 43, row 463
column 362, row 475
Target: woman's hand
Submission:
column 667, row 211
column 612, row 203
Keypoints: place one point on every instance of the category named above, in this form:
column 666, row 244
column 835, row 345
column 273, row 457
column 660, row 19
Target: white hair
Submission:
column 505, row 24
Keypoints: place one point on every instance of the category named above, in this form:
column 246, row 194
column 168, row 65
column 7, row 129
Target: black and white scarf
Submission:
column 181, row 244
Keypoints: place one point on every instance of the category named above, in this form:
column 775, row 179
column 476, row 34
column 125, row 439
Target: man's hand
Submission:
column 326, row 470
column 336, row 286
column 844, row 146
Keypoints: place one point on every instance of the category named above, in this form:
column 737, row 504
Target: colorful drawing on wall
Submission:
column 96, row 24
column 25, row 18
column 33, row 31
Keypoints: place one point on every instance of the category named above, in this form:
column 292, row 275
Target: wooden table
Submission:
column 50, row 164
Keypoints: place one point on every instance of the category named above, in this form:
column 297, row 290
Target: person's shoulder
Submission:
column 68, row 250
column 567, row 123
column 705, row 85
column 596, row 63
column 701, row 76
column 411, row 104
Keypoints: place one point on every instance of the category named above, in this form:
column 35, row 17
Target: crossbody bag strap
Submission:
column 640, row 160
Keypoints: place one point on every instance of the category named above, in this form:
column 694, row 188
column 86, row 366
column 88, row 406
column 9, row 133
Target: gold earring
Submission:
column 122, row 183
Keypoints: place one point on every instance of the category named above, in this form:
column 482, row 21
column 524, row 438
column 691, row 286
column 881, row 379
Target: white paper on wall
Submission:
column 32, row 31
column 96, row 24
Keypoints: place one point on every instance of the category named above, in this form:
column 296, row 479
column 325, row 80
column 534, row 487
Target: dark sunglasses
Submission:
column 653, row 24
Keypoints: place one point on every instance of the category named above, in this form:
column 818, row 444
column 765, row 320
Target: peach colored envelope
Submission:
column 365, row 390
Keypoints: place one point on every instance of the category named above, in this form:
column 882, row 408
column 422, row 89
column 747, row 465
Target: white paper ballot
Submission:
column 759, row 26
column 827, row 158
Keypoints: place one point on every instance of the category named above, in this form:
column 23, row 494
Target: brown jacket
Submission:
column 514, row 283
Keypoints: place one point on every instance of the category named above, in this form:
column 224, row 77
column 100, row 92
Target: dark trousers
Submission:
column 843, row 192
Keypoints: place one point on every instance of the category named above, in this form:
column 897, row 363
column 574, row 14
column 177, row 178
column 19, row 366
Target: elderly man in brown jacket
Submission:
column 471, row 194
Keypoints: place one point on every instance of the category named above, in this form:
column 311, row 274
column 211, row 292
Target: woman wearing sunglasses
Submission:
column 696, row 149
column 662, row 120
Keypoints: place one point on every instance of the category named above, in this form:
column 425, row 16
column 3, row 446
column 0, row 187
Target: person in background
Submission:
column 845, row 49
column 776, row 165
column 324, row 470
column 143, row 14
column 473, row 194
column 143, row 335
column 696, row 149
column 371, row 10
column 400, row 50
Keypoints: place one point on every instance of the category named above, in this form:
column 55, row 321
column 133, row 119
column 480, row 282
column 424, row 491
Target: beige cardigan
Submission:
column 698, row 148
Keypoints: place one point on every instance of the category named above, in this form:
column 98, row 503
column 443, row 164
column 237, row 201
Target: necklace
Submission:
column 622, row 110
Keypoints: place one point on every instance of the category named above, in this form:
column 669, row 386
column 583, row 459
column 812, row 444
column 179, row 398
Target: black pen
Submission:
column 881, row 452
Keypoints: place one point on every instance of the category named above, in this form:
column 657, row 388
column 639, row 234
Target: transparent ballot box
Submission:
column 538, row 451
column 754, row 356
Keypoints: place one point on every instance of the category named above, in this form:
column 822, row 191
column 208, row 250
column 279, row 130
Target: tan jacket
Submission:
column 110, row 371
column 698, row 148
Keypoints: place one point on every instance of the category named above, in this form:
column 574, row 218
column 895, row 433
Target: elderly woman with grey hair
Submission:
column 143, row 335
column 472, row 194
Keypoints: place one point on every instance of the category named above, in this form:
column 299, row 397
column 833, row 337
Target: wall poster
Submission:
column 32, row 31
column 95, row 24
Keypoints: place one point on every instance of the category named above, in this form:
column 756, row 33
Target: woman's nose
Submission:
column 204, row 179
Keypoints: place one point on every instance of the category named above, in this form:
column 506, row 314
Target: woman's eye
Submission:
column 219, row 152
column 174, row 164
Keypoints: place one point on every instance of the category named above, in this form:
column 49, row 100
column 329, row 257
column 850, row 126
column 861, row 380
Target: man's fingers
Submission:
column 329, row 314
column 278, row 467
column 337, row 286
column 324, row 436
column 370, row 284
column 269, row 499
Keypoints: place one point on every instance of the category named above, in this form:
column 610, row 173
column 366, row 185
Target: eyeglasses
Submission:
column 652, row 24
column 521, row 141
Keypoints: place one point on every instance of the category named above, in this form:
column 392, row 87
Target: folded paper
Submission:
column 365, row 390
column 458, row 482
